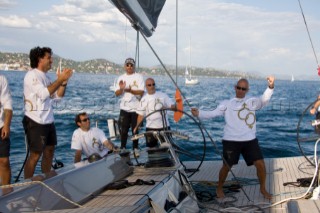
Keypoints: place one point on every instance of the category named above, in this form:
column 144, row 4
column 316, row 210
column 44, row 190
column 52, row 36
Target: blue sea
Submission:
column 276, row 124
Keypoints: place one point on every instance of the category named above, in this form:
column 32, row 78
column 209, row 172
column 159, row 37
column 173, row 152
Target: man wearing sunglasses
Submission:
column 89, row 140
column 240, row 131
column 130, row 87
column 150, row 102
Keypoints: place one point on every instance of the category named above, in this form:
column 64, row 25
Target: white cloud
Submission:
column 6, row 4
column 14, row 21
column 223, row 35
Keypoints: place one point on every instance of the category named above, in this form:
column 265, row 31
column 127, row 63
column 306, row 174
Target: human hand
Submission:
column 312, row 111
column 5, row 132
column 271, row 81
column 195, row 112
column 65, row 75
column 122, row 85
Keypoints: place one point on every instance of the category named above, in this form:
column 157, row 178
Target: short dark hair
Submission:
column 77, row 118
column 36, row 53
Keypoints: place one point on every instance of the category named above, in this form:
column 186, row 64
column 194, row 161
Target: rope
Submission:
column 305, row 23
column 43, row 184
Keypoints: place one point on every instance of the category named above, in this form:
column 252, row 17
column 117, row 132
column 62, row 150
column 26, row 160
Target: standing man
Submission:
column 39, row 95
column 5, row 121
column 150, row 102
column 89, row 140
column 131, row 87
column 240, row 131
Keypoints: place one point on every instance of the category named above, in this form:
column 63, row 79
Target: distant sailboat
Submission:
column 190, row 80
column 292, row 78
column 114, row 86
column 59, row 69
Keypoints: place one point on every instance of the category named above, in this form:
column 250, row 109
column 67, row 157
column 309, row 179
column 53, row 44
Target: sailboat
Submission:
column 189, row 79
column 292, row 78
column 118, row 184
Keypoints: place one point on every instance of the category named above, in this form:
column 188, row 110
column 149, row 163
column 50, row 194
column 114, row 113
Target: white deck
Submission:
column 279, row 171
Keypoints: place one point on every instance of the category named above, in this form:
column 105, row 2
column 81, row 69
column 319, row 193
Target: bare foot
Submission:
column 220, row 193
column 266, row 194
column 6, row 190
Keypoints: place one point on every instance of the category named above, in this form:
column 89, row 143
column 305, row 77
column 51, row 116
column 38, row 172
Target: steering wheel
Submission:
column 307, row 131
column 183, row 136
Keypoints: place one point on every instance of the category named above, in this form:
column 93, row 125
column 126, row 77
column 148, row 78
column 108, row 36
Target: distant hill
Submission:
column 20, row 61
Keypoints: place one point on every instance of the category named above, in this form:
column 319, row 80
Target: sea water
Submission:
column 276, row 123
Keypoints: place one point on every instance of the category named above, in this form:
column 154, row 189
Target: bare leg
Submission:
column 261, row 173
column 5, row 171
column 47, row 157
column 222, row 177
column 31, row 164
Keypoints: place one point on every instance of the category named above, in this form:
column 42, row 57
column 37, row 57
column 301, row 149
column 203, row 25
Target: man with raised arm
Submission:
column 240, row 131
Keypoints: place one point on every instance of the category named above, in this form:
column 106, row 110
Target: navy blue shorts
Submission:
column 39, row 135
column 4, row 147
column 250, row 151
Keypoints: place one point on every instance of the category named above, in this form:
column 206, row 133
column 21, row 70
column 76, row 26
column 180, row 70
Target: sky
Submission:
column 257, row 36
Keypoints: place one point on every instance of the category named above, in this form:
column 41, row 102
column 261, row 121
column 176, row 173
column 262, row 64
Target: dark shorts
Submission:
column 39, row 135
column 250, row 151
column 4, row 147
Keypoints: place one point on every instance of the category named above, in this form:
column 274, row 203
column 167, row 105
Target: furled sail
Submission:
column 143, row 14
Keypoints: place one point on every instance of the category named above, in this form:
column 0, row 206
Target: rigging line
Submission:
column 177, row 41
column 137, row 56
column 164, row 67
column 305, row 23
column 200, row 123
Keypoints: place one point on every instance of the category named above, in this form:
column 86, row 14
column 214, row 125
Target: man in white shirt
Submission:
column 5, row 121
column 130, row 86
column 40, row 93
column 240, row 131
column 150, row 102
column 88, row 140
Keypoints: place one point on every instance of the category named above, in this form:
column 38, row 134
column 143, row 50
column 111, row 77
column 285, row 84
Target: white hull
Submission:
column 193, row 81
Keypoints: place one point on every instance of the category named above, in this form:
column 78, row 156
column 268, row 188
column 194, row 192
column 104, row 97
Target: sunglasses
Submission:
column 241, row 88
column 129, row 65
column 85, row 120
column 149, row 85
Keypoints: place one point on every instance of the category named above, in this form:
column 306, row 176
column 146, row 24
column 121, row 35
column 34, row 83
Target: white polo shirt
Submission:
column 130, row 102
column 152, row 102
column 89, row 142
column 5, row 98
column 37, row 100
column 239, row 115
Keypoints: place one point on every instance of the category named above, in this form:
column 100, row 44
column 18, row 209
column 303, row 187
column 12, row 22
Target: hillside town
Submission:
column 20, row 62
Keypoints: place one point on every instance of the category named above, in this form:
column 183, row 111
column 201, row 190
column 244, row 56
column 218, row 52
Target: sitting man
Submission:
column 89, row 140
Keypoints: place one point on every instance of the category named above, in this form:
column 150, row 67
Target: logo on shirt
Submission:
column 247, row 116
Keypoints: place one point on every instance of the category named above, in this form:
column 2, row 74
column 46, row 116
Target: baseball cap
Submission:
column 129, row 61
